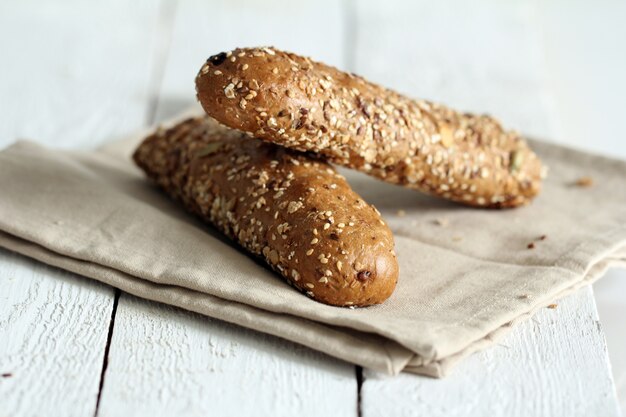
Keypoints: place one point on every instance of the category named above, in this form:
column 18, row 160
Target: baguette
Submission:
column 304, row 105
column 289, row 208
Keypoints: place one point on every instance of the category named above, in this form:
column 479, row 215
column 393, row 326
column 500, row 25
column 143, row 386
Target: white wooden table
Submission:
column 75, row 74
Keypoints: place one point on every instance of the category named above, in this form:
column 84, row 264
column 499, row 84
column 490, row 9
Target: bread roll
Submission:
column 289, row 208
column 304, row 105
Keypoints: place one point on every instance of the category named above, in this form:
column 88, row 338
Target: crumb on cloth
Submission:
column 584, row 181
column 441, row 221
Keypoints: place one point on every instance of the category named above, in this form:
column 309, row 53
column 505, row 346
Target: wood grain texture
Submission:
column 58, row 87
column 585, row 72
column 552, row 365
column 590, row 95
column 165, row 361
column 487, row 57
column 609, row 294
column 75, row 74
column 53, row 330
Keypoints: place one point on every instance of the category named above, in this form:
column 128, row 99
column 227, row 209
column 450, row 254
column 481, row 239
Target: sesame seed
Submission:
column 516, row 158
column 310, row 285
column 229, row 91
column 326, row 226
column 245, row 67
column 309, row 252
column 217, row 72
column 314, row 241
column 293, row 206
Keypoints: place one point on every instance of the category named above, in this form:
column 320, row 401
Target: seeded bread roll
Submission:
column 290, row 208
column 301, row 104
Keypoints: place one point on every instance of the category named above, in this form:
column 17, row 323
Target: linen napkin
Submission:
column 466, row 275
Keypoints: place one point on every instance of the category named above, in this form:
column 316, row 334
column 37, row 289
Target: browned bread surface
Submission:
column 301, row 104
column 292, row 209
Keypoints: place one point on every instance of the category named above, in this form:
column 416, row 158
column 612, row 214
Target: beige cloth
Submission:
column 466, row 274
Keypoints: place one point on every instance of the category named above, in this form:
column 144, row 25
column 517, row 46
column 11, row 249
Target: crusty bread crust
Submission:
column 288, row 207
column 301, row 104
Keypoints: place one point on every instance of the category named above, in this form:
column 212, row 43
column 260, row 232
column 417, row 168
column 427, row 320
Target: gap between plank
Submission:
column 105, row 360
column 165, row 25
column 359, row 385
column 165, row 30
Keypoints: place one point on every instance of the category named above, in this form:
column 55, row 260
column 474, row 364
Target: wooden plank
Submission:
column 609, row 294
column 53, row 331
column 165, row 361
column 552, row 365
column 59, row 87
column 75, row 74
column 486, row 57
column 589, row 90
column 585, row 72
